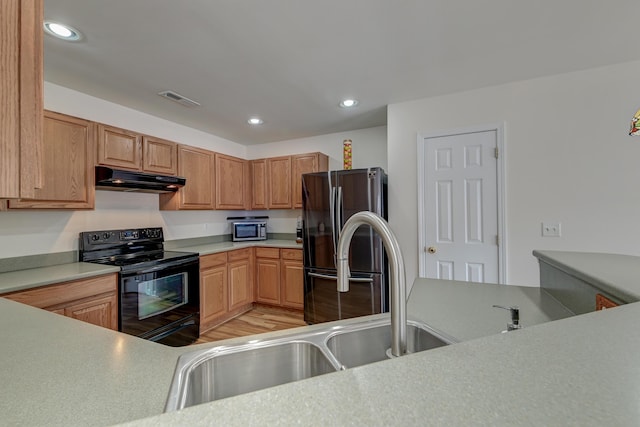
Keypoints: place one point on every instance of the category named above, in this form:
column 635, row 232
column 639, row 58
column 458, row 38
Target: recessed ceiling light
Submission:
column 62, row 31
column 255, row 121
column 349, row 103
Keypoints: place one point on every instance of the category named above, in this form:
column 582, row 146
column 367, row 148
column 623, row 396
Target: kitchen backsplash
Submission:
column 38, row 232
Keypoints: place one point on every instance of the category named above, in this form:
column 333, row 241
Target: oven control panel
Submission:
column 95, row 238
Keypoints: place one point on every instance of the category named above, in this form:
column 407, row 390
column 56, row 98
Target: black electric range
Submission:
column 158, row 290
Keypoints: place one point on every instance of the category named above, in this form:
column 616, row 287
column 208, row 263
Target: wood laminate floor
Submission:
column 260, row 319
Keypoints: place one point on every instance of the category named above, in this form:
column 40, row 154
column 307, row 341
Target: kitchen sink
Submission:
column 223, row 371
column 234, row 370
column 365, row 344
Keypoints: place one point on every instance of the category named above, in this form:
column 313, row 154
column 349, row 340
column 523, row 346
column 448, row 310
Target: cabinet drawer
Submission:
column 239, row 254
column 267, row 253
column 208, row 261
column 293, row 254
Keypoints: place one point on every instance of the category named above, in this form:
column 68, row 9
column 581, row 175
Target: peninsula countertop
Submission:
column 617, row 274
column 58, row 371
column 575, row 371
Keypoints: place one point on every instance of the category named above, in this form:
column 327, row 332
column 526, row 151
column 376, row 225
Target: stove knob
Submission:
column 106, row 235
column 95, row 237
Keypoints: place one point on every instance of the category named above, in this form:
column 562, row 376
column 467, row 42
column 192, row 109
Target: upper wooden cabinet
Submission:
column 232, row 183
column 301, row 164
column 159, row 155
column 68, row 153
column 119, row 148
column 124, row 149
column 279, row 182
column 259, row 184
column 197, row 166
column 21, row 83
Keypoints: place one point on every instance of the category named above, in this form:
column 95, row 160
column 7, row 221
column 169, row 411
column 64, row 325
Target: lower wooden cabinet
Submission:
column 239, row 269
column 93, row 300
column 99, row 311
column 213, row 288
column 603, row 302
column 292, row 279
column 230, row 282
column 279, row 277
column 226, row 286
column 268, row 275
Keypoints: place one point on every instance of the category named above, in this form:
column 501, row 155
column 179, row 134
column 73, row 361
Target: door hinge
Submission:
column 497, row 240
column 495, row 152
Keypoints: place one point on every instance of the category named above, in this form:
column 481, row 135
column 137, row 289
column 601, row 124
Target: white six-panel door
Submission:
column 460, row 211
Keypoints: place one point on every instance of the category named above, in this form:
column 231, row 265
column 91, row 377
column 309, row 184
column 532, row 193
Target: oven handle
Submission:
column 159, row 267
column 165, row 334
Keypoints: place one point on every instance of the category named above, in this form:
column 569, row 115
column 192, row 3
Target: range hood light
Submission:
column 118, row 181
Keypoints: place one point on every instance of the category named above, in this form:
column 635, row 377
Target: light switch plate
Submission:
column 551, row 229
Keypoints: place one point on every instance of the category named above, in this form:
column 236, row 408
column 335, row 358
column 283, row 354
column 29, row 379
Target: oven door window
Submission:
column 160, row 295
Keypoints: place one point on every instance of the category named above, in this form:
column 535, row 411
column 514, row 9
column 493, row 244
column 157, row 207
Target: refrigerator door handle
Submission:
column 361, row 279
column 332, row 209
column 339, row 213
column 351, row 279
column 323, row 276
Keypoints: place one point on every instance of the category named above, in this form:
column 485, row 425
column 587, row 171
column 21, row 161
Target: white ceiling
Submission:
column 292, row 61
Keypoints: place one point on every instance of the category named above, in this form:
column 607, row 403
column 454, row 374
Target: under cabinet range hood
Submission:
column 126, row 180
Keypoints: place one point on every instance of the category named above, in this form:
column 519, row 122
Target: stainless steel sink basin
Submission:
column 230, row 371
column 367, row 344
column 224, row 371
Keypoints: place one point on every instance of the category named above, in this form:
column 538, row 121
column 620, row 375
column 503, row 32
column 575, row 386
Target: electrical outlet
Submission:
column 550, row 229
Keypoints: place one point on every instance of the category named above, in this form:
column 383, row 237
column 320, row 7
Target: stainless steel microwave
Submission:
column 248, row 230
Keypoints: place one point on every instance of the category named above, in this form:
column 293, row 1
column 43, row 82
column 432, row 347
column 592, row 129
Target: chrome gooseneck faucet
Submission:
column 398, row 290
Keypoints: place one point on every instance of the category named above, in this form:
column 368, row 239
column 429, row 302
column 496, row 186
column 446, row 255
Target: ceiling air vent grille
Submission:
column 183, row 100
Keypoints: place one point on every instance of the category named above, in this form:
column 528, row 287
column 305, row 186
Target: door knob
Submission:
column 431, row 249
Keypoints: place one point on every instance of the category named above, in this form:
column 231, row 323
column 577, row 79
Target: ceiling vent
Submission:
column 182, row 100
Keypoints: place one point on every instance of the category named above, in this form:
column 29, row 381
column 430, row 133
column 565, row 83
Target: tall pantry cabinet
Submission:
column 21, row 83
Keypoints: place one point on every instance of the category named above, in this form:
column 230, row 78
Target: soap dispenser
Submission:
column 515, row 317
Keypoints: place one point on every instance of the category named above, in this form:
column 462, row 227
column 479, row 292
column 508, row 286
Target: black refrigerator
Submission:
column 329, row 199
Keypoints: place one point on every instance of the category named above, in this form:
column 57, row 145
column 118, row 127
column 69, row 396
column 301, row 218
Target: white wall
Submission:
column 35, row 232
column 568, row 158
column 369, row 147
column 64, row 100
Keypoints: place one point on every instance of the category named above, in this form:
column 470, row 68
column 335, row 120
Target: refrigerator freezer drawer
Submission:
column 323, row 302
